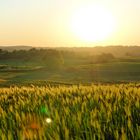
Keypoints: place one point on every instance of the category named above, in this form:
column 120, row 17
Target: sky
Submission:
column 47, row 23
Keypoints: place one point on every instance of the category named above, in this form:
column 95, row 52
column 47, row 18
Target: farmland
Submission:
column 22, row 67
column 48, row 94
column 70, row 112
column 72, row 74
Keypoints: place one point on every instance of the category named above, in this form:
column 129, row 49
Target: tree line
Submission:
column 53, row 58
column 48, row 57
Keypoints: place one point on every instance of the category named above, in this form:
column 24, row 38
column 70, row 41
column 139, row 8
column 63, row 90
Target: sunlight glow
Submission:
column 48, row 120
column 92, row 23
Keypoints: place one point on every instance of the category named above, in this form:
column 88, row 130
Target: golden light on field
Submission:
column 92, row 23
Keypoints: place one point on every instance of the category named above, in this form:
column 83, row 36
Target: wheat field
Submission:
column 78, row 112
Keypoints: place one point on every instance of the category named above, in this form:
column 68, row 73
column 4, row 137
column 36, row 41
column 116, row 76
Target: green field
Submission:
column 72, row 73
column 104, row 112
column 70, row 66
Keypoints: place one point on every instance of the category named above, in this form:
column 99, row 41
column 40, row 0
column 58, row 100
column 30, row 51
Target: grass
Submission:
column 73, row 72
column 70, row 112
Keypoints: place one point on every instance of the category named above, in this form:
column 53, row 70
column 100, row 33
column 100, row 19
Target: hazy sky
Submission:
column 47, row 22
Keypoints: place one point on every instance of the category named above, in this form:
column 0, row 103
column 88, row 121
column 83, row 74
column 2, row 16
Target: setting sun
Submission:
column 92, row 23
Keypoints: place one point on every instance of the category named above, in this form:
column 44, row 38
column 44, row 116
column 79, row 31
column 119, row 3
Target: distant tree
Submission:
column 53, row 59
column 105, row 57
column 128, row 54
column 102, row 58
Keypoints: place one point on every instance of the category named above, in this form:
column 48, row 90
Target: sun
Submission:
column 92, row 23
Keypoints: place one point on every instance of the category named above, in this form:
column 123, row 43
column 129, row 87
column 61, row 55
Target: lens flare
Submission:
column 48, row 120
column 44, row 110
